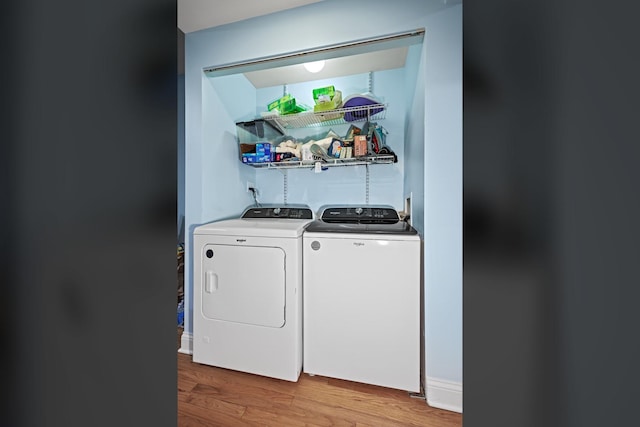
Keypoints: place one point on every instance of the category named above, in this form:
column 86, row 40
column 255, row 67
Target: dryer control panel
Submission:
column 286, row 212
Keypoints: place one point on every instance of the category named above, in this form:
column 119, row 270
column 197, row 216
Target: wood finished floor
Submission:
column 210, row 396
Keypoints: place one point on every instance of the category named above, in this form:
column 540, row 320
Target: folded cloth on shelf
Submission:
column 289, row 147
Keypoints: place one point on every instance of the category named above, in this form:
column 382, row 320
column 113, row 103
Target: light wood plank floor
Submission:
column 210, row 396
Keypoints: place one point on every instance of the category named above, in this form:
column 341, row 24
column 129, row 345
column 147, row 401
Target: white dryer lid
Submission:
column 272, row 227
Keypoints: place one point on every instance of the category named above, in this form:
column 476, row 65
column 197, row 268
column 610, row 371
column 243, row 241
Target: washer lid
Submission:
column 398, row 228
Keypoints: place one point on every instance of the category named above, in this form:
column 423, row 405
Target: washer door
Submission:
column 244, row 284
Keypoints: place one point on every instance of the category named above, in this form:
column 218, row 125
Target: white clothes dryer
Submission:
column 247, row 292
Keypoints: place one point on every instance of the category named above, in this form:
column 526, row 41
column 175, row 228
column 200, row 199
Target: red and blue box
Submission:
column 262, row 154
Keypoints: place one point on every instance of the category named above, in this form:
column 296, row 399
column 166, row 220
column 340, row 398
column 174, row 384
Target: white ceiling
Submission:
column 194, row 15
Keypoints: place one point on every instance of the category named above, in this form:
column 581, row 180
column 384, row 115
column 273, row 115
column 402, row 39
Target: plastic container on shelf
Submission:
column 255, row 138
column 257, row 130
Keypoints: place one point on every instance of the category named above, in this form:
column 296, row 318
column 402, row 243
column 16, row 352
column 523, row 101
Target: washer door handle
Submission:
column 210, row 282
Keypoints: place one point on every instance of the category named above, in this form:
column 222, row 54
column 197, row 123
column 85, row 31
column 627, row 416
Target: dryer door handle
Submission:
column 210, row 282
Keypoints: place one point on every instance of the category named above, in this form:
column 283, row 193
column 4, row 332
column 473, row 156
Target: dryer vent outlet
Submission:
column 407, row 208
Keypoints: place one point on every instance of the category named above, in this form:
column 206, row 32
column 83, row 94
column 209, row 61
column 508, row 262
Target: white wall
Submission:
column 441, row 83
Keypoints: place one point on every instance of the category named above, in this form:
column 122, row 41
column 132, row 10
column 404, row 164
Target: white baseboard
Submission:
column 444, row 394
column 186, row 343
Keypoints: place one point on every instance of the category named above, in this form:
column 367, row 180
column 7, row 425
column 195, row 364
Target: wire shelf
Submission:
column 354, row 161
column 327, row 118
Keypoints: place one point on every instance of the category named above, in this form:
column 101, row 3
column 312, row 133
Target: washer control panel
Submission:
column 360, row 215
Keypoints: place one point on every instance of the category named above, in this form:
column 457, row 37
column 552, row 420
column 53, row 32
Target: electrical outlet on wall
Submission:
column 251, row 187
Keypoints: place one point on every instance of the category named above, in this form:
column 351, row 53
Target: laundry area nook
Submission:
column 323, row 197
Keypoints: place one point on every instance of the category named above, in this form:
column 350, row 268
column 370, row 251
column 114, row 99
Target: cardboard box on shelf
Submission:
column 360, row 145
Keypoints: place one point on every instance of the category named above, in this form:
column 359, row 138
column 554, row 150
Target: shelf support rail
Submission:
column 285, row 184
column 367, row 184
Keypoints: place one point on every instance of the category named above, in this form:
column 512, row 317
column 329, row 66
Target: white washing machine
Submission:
column 361, row 274
column 248, row 292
